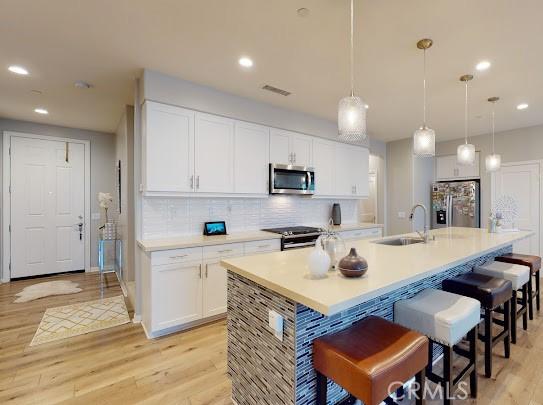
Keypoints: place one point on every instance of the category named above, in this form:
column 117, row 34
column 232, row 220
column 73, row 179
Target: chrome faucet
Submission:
column 424, row 236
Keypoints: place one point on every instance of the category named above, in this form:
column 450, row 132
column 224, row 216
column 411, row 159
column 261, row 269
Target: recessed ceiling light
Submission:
column 36, row 92
column 522, row 106
column 483, row 65
column 303, row 12
column 245, row 62
column 81, row 84
column 367, row 106
column 42, row 111
column 18, row 70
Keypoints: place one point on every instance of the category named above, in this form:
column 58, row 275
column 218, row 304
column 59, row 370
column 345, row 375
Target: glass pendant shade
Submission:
column 424, row 142
column 465, row 154
column 493, row 162
column 351, row 119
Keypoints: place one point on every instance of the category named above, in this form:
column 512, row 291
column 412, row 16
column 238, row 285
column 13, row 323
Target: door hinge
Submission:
column 9, row 188
column 9, row 266
column 9, row 227
column 9, row 151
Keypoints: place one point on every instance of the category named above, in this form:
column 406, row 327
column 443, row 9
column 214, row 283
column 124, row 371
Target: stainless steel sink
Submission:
column 399, row 241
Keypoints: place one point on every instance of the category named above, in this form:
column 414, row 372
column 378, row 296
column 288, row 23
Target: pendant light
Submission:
column 465, row 154
column 424, row 138
column 493, row 162
column 351, row 114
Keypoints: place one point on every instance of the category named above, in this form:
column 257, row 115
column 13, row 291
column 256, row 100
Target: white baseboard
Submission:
column 94, row 270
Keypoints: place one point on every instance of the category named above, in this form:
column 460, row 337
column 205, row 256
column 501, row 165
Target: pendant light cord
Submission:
column 493, row 128
column 352, row 48
column 424, row 91
column 466, row 116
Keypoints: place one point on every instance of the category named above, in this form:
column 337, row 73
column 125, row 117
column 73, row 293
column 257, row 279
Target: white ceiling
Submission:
column 107, row 43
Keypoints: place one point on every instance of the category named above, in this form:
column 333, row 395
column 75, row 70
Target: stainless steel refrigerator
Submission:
column 456, row 204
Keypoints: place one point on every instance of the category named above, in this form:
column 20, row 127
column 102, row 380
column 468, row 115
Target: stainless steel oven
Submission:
column 288, row 179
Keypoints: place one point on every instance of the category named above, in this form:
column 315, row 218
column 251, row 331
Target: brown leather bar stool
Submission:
column 370, row 360
column 491, row 292
column 534, row 263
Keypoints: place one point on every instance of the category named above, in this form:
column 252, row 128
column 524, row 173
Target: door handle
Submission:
column 192, row 182
column 200, row 271
column 207, row 269
column 294, row 157
column 198, row 182
column 80, row 230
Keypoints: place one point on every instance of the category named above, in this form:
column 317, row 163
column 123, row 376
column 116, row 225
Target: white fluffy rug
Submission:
column 40, row 290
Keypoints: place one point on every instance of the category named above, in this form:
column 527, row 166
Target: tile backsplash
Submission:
column 163, row 217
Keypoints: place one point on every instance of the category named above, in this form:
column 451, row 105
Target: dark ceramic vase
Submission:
column 353, row 265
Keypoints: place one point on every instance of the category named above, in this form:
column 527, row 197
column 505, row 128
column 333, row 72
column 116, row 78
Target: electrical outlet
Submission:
column 275, row 322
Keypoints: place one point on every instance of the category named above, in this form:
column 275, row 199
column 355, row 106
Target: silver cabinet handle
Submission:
column 290, row 157
column 294, row 157
column 198, row 182
column 200, row 271
column 192, row 182
column 178, row 256
column 207, row 270
column 225, row 250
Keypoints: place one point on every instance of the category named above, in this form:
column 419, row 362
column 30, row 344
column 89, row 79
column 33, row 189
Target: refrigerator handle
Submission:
column 449, row 210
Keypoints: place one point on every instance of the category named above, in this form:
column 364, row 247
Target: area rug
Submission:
column 78, row 319
column 41, row 290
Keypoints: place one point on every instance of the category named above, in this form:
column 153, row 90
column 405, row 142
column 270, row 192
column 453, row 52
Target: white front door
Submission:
column 47, row 204
column 521, row 181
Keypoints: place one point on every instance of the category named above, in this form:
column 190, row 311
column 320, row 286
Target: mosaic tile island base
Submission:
column 266, row 370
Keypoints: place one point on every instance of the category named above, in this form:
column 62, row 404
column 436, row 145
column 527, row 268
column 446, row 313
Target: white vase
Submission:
column 318, row 261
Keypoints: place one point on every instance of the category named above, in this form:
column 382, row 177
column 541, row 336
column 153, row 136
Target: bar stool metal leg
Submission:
column 420, row 379
column 472, row 337
column 537, row 281
column 448, row 385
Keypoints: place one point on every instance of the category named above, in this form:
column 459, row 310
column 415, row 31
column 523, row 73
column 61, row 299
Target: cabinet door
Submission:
column 177, row 294
column 214, row 154
column 301, row 147
column 251, row 158
column 344, row 178
column 215, row 286
column 168, row 148
column 324, row 161
column 470, row 172
column 361, row 162
column 446, row 167
column 280, row 147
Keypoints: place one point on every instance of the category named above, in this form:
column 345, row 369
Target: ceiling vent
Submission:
column 276, row 90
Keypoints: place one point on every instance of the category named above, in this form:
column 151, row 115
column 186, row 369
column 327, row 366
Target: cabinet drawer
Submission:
column 176, row 256
column 262, row 246
column 361, row 233
column 231, row 249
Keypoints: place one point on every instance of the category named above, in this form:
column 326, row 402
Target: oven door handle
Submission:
column 308, row 180
column 301, row 244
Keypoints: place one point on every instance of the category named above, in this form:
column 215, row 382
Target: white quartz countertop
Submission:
column 390, row 267
column 202, row 240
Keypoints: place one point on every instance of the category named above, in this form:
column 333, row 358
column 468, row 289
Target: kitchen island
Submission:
column 270, row 369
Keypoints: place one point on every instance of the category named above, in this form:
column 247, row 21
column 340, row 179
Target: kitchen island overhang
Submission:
column 269, row 371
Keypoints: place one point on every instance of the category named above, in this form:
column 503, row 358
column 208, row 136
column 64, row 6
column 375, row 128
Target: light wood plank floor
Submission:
column 120, row 366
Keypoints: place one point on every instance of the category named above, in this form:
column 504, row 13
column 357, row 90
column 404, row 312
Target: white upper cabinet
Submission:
column 301, row 148
column 251, row 158
column 290, row 148
column 447, row 168
column 168, row 144
column 351, row 174
column 324, row 162
column 214, row 154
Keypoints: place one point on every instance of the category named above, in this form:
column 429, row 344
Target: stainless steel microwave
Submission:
column 288, row 179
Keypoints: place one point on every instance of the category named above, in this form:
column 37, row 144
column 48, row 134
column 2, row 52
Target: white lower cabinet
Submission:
column 361, row 233
column 185, row 287
column 176, row 306
column 215, row 280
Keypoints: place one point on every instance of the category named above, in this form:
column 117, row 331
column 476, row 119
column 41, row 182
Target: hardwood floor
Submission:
column 120, row 366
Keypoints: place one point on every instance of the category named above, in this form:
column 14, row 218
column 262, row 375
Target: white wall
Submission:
column 102, row 158
column 409, row 179
column 124, row 145
column 515, row 146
